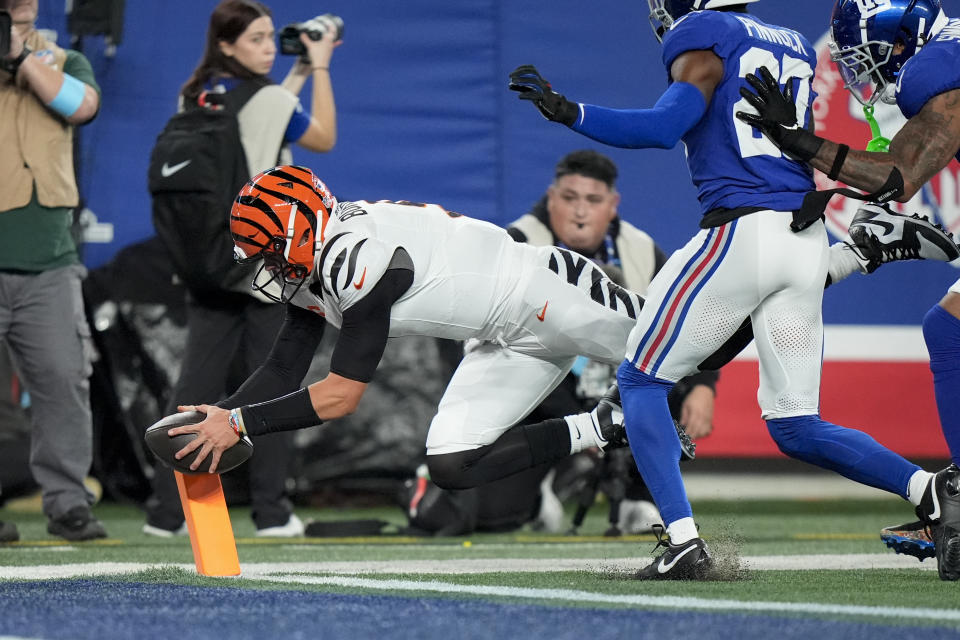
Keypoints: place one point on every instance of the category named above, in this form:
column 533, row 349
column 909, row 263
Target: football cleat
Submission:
column 690, row 560
column 688, row 448
column 881, row 236
column 293, row 528
column 607, row 419
column 940, row 509
column 911, row 539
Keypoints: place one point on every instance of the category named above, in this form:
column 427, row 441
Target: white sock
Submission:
column 682, row 530
column 583, row 435
column 917, row 485
column 843, row 262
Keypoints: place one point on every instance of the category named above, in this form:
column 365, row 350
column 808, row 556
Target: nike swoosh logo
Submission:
column 543, row 312
column 936, row 500
column 166, row 170
column 363, row 276
column 664, row 567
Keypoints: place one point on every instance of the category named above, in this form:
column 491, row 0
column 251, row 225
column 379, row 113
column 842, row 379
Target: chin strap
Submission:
column 878, row 142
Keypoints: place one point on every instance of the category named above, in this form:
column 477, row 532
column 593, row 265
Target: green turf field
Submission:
column 803, row 558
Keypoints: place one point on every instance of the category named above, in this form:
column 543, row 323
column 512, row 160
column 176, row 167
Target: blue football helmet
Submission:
column 663, row 13
column 865, row 33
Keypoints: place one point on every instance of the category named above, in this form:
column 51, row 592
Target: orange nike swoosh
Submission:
column 363, row 277
column 543, row 312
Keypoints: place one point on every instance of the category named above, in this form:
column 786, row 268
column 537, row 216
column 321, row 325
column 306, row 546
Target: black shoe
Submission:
column 940, row 509
column 8, row 532
column 77, row 524
column 688, row 448
column 607, row 418
column 690, row 560
column 881, row 235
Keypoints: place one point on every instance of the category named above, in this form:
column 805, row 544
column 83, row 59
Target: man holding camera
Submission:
column 44, row 92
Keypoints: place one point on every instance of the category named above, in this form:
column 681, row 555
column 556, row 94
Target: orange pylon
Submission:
column 208, row 521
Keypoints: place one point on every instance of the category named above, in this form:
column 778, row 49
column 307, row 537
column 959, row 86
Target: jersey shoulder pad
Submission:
column 701, row 30
column 932, row 71
column 350, row 265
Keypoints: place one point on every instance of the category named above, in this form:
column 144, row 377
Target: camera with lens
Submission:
column 316, row 29
column 5, row 24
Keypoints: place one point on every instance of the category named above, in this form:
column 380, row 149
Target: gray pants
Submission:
column 43, row 322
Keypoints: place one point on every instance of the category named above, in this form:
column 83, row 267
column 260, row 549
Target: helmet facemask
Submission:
column 277, row 278
column 660, row 18
column 663, row 13
column 860, row 65
column 871, row 45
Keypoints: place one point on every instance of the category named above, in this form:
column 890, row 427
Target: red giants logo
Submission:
column 839, row 117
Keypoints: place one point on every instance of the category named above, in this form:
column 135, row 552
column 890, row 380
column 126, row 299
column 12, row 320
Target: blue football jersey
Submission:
column 732, row 164
column 935, row 69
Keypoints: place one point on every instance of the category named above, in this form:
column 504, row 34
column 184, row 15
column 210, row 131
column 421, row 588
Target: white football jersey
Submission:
column 465, row 270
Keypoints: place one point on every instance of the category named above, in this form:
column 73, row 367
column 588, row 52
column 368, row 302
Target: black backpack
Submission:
column 197, row 167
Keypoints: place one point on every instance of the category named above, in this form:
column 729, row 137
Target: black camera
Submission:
column 5, row 24
column 290, row 44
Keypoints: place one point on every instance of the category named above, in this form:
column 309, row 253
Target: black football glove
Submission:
column 528, row 82
column 777, row 117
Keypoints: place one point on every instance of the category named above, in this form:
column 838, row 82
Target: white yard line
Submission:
column 659, row 602
column 292, row 573
column 287, row 570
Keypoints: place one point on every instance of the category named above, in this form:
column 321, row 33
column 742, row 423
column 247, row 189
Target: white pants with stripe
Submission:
column 754, row 267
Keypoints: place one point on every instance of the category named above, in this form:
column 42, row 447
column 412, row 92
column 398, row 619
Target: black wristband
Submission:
column 12, row 66
column 800, row 144
column 892, row 189
column 838, row 161
column 289, row 412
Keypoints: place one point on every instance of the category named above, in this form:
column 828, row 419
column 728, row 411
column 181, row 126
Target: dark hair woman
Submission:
column 230, row 332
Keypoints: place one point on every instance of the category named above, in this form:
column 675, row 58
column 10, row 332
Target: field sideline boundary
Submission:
column 269, row 570
column 645, row 601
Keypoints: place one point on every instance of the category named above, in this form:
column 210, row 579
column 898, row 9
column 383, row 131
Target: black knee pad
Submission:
column 454, row 470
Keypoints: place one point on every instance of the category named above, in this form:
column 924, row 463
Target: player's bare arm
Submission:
column 702, row 69
column 924, row 146
column 336, row 396
column 333, row 397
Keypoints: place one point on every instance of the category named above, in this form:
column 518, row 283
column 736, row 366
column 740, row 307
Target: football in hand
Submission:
column 164, row 447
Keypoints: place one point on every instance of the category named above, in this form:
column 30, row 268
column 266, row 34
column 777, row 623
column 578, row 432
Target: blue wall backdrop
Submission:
column 424, row 114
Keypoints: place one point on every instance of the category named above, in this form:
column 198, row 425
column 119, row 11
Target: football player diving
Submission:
column 379, row 269
column 908, row 52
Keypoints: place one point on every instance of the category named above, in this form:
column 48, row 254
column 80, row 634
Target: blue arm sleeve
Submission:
column 679, row 108
column 298, row 125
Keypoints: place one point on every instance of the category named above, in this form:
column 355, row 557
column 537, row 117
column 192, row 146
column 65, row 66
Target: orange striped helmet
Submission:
column 279, row 216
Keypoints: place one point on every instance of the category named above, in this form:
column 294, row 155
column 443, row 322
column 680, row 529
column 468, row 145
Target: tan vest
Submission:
column 635, row 248
column 36, row 145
